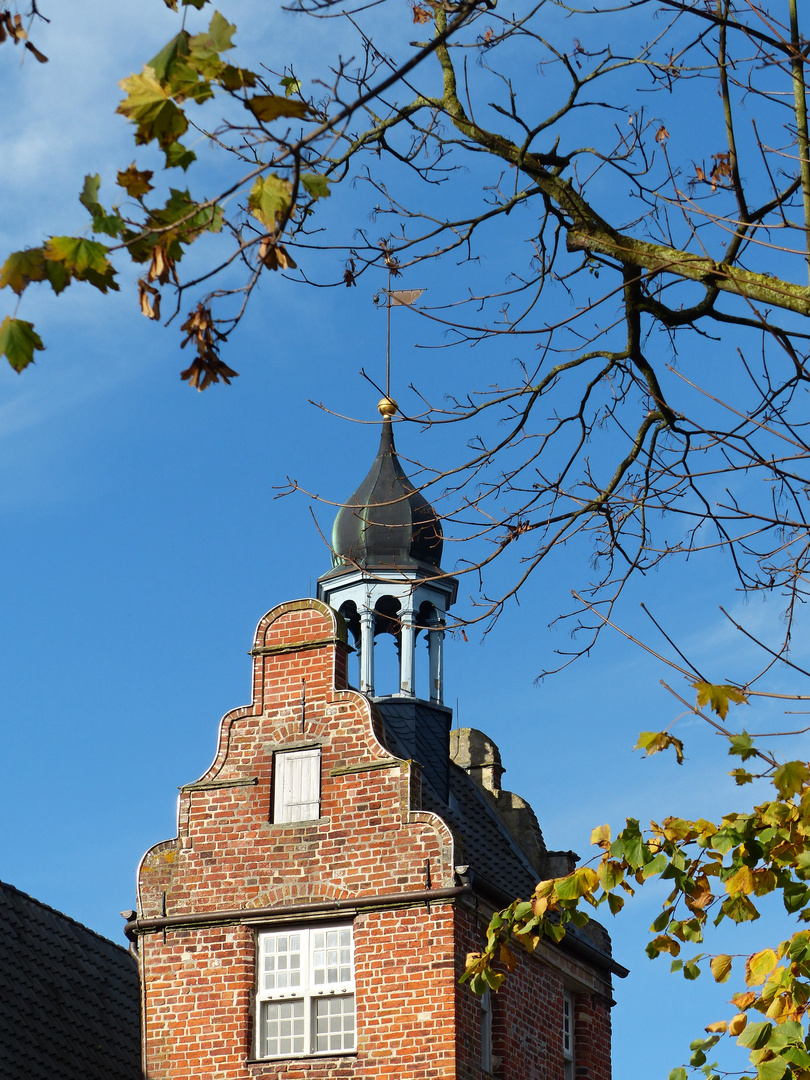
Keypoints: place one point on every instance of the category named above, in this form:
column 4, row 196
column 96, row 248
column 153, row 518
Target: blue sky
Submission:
column 144, row 540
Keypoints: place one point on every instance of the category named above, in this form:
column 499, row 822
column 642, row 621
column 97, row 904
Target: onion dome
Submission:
column 386, row 522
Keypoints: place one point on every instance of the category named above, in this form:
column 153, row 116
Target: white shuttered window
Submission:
column 297, row 786
column 306, row 992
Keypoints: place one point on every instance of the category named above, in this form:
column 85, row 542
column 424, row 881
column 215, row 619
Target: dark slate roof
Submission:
column 69, row 999
column 420, row 730
column 489, row 848
column 386, row 522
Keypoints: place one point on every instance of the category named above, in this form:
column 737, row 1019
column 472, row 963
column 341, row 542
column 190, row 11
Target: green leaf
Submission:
column 655, row 866
column 78, row 254
column 269, row 199
column 18, row 340
column 151, row 108
column 291, row 85
column 217, row 39
column 236, row 78
column 755, row 1036
column 774, row 1069
column 742, row 745
column 86, row 260
column 697, row 1058
column 316, row 185
column 178, row 157
column 790, row 778
column 678, row 1074
column 109, row 224
column 57, row 275
column 174, row 52
column 269, row 107
column 21, row 268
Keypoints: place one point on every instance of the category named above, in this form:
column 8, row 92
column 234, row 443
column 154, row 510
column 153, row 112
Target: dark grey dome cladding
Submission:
column 386, row 522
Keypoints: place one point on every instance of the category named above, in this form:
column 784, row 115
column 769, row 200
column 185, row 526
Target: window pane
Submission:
column 281, row 961
column 334, row 1023
column 282, row 1028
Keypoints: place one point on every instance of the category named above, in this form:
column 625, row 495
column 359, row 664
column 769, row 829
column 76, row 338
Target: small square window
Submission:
column 297, row 786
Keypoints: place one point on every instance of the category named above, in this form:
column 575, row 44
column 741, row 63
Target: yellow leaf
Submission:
column 737, row 1024
column 759, row 966
column 600, row 837
column 717, row 696
column 740, row 882
column 721, row 968
column 719, row 1027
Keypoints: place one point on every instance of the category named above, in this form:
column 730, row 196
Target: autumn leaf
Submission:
column 40, row 56
column 236, row 78
column 718, row 696
column 109, row 224
column 78, row 255
column 145, row 293
column 652, row 742
column 790, row 778
column 740, row 883
column 135, row 182
column 151, row 108
column 269, row 107
column 21, row 268
column 661, row 135
column 275, row 256
column 737, row 1023
column 600, row 837
column 316, row 185
column 18, row 341
column 759, row 966
column 420, row 14
column 269, row 199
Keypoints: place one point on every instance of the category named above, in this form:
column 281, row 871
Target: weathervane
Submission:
column 394, row 298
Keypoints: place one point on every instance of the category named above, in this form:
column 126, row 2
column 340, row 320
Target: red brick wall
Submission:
column 199, row 1019
column 414, row 1021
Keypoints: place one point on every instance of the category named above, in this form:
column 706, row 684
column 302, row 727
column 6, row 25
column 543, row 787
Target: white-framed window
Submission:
column 297, row 785
column 568, row 1036
column 305, row 994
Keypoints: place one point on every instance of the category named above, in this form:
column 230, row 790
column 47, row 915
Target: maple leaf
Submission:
column 151, row 108
column 316, row 185
column 269, row 107
column 18, row 341
column 269, row 199
column 110, row 224
column 718, row 696
column 86, row 260
column 135, row 182
column 21, row 268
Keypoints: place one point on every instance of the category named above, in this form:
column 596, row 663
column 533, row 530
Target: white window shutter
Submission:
column 297, row 786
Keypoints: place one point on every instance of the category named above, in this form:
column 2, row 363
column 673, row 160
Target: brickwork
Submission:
column 372, row 840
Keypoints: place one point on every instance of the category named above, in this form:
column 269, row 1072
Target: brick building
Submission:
column 345, row 849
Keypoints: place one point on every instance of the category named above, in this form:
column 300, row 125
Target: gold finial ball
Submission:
column 387, row 407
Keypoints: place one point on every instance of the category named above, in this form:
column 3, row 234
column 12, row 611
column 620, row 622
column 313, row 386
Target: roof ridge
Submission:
column 69, row 918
